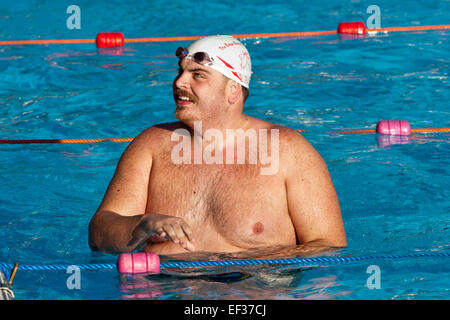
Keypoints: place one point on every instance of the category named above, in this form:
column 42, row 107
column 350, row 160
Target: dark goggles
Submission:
column 200, row 57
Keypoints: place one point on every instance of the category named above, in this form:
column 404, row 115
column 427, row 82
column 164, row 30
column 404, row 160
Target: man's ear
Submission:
column 234, row 91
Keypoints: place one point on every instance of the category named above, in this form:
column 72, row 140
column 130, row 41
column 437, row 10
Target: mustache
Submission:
column 181, row 92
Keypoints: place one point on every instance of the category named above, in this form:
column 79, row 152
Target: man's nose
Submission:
column 181, row 81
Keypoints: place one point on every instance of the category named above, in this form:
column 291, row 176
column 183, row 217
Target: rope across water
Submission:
column 314, row 261
column 298, row 261
column 239, row 36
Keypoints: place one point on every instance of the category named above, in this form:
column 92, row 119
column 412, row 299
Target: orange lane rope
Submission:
column 65, row 140
column 430, row 130
column 356, row 131
column 239, row 36
column 56, row 41
column 414, row 28
column 425, row 130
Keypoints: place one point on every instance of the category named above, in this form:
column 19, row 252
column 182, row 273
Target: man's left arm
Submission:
column 312, row 200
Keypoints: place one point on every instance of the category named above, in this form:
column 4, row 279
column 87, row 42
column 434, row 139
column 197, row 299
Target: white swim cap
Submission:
column 229, row 56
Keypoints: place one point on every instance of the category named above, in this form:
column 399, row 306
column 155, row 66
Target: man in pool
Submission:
column 180, row 187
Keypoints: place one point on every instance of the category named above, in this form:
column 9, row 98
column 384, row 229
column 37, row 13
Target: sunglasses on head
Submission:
column 200, row 57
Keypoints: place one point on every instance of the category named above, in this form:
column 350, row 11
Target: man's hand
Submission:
column 161, row 226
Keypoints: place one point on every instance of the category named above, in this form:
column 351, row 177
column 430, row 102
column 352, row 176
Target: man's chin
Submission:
column 186, row 117
column 182, row 114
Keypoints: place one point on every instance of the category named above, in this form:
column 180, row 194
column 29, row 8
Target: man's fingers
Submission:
column 187, row 230
column 176, row 233
column 170, row 233
column 138, row 237
column 188, row 246
column 173, row 229
column 180, row 233
column 160, row 232
column 186, row 236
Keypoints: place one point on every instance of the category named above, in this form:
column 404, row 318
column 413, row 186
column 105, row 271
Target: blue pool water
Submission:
column 394, row 199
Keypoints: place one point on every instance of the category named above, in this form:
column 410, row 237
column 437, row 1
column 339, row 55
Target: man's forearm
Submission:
column 112, row 232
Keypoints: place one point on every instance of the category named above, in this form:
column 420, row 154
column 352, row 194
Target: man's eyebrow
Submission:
column 194, row 69
column 197, row 70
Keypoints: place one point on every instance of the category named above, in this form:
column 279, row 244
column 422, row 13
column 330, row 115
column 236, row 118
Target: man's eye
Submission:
column 198, row 75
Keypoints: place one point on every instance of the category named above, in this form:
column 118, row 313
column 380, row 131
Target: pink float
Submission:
column 394, row 127
column 139, row 262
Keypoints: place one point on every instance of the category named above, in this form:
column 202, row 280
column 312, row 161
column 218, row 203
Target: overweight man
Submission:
column 218, row 180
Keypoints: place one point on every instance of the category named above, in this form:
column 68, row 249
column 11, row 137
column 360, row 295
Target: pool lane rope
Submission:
column 116, row 39
column 384, row 127
column 148, row 262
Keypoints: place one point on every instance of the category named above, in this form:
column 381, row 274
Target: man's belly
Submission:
column 229, row 208
column 232, row 236
column 168, row 247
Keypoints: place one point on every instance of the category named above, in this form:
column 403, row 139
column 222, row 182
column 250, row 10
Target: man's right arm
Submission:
column 121, row 223
column 123, row 206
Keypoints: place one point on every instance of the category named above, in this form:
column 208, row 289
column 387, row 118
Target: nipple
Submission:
column 258, row 228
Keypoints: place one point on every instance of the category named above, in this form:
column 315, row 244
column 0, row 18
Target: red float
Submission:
column 109, row 39
column 352, row 28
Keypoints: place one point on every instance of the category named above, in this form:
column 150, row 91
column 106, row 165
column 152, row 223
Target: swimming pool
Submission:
column 394, row 199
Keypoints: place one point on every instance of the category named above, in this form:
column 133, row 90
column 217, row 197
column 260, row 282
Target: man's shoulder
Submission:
column 163, row 128
column 160, row 131
column 155, row 137
column 293, row 146
column 286, row 135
